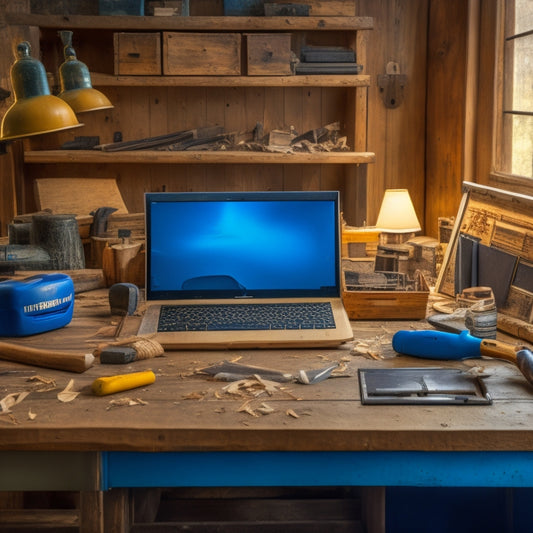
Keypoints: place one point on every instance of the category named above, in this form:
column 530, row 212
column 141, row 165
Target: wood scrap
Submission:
column 162, row 140
column 9, row 401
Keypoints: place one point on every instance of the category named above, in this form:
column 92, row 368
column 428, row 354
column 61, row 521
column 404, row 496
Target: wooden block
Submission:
column 268, row 54
column 201, row 54
column 137, row 54
column 132, row 221
column 78, row 196
column 385, row 305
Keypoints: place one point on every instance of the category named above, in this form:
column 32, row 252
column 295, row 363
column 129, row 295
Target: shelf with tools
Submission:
column 179, row 98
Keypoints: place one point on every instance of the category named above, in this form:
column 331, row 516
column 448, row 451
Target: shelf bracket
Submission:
column 391, row 85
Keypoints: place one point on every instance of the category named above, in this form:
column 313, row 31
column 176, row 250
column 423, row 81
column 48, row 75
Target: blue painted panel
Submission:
column 233, row 469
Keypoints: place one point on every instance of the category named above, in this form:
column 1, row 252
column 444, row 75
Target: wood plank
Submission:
column 325, row 80
column 205, row 23
column 39, row 518
column 186, row 411
column 195, row 157
column 79, row 196
column 397, row 135
column 446, row 90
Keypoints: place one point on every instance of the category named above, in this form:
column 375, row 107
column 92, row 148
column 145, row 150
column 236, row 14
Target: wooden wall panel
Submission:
column 445, row 133
column 397, row 136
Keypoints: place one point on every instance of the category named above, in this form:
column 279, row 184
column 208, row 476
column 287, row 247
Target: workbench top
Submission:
column 187, row 411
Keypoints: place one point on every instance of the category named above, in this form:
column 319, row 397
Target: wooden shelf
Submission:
column 150, row 157
column 74, row 22
column 107, row 80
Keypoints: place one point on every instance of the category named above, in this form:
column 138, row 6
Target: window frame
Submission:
column 501, row 137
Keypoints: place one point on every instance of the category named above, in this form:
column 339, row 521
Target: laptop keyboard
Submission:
column 233, row 317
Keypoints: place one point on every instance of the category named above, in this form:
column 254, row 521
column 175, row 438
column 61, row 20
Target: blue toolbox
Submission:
column 35, row 304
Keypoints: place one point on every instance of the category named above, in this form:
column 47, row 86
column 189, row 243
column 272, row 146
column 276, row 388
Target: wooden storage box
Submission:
column 387, row 304
column 201, row 54
column 137, row 54
column 268, row 54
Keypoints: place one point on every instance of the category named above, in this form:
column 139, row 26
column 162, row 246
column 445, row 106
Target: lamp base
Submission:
column 395, row 238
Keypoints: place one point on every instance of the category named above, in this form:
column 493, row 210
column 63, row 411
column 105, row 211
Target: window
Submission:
column 514, row 141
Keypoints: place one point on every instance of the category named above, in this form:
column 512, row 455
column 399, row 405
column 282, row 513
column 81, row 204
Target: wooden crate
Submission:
column 137, row 54
column 385, row 305
column 201, row 54
column 268, row 54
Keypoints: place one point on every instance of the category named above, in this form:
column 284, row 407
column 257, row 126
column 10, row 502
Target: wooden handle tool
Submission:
column 59, row 360
column 122, row 382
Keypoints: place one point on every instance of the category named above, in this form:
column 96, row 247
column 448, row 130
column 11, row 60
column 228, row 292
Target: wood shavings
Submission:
column 263, row 409
column 246, row 408
column 125, row 402
column 42, row 384
column 31, row 415
column 371, row 348
column 9, row 401
column 67, row 394
column 290, row 412
column 254, row 386
column 8, row 417
column 106, row 331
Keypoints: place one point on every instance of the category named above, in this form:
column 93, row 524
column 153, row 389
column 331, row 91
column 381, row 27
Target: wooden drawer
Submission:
column 201, row 54
column 268, row 54
column 137, row 54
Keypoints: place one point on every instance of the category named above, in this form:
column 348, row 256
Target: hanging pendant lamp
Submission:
column 35, row 111
column 75, row 80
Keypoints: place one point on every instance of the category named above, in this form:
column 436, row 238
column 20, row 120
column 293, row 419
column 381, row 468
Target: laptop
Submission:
column 221, row 266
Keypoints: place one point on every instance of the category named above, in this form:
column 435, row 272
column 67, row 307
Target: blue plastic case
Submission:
column 35, row 304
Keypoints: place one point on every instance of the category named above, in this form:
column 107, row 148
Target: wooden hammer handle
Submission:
column 45, row 358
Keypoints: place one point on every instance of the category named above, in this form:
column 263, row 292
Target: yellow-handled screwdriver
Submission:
column 122, row 382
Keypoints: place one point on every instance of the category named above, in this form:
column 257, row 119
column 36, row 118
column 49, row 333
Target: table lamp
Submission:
column 76, row 87
column 397, row 218
column 35, row 111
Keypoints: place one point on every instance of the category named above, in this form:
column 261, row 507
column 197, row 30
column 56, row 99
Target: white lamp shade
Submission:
column 397, row 213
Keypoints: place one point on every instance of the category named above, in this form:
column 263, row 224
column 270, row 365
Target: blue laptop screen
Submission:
column 262, row 244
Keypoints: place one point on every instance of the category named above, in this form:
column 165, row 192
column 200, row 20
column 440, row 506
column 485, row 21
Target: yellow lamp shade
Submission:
column 75, row 80
column 85, row 99
column 397, row 213
column 35, row 111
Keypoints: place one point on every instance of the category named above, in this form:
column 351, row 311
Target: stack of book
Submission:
column 327, row 60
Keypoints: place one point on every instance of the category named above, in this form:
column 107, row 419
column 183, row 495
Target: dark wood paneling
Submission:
column 396, row 135
column 445, row 132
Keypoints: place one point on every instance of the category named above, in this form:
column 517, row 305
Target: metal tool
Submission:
column 443, row 345
column 228, row 371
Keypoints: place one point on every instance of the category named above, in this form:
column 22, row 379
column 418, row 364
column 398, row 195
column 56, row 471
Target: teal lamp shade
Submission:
column 35, row 111
column 76, row 87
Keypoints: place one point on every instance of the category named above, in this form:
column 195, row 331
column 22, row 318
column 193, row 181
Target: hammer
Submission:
column 45, row 358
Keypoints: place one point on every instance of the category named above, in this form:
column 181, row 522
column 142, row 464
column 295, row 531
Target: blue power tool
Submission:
column 35, row 304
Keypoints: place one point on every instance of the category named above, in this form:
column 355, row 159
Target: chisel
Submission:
column 443, row 345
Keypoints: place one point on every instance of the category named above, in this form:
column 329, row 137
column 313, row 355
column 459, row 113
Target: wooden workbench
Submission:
column 187, row 414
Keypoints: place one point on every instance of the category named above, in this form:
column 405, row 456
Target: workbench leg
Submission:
column 118, row 511
column 91, row 512
column 373, row 509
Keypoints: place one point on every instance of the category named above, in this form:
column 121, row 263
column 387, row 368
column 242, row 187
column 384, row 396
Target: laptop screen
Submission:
column 242, row 244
